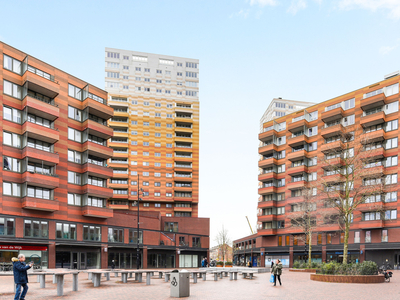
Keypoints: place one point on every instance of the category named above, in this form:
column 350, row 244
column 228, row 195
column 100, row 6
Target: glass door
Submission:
column 74, row 260
column 82, row 261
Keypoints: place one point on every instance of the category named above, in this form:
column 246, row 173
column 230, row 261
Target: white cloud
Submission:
column 263, row 2
column 243, row 13
column 393, row 6
column 296, row 5
column 386, row 49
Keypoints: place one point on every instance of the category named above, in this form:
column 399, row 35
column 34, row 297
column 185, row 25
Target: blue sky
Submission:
column 250, row 51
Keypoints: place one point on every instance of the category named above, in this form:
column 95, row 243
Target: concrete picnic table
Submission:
column 251, row 273
column 233, row 274
column 59, row 278
column 194, row 273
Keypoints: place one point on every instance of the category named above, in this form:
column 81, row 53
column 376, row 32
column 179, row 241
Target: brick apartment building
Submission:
column 291, row 150
column 55, row 188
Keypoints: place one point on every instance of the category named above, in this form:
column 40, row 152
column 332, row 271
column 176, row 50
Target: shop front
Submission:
column 124, row 258
column 302, row 257
column 161, row 258
column 337, row 256
column 283, row 257
column 37, row 254
column 80, row 258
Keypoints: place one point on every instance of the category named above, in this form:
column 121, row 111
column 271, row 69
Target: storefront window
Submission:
column 329, row 238
column 115, row 235
column 133, row 236
column 287, row 240
column 91, row 233
column 188, row 261
column 37, row 254
column 319, row 239
column 279, row 240
column 66, row 231
column 36, row 229
column 7, row 226
column 368, row 236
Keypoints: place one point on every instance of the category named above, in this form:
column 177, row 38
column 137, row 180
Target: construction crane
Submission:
column 251, row 229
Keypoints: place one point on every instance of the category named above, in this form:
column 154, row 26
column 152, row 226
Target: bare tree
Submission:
column 353, row 174
column 223, row 240
column 306, row 218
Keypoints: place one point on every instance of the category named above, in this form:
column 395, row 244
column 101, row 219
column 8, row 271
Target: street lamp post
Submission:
column 138, row 225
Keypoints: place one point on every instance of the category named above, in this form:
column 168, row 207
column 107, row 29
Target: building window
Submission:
column 12, row 114
column 287, row 242
column 279, row 240
column 146, row 204
column 91, row 233
column 157, row 205
column 319, row 239
column 385, row 237
column 7, row 226
column 74, row 199
column 133, row 236
column 11, row 164
column 115, row 235
column 66, row 231
column 12, row 139
column 356, row 237
column 368, row 236
column 171, row 226
column 329, row 238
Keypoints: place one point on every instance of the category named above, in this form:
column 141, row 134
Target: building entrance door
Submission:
column 78, row 260
column 82, row 261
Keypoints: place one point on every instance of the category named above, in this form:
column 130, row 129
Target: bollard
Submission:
column 75, row 282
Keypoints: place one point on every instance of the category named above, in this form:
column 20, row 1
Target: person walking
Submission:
column 205, row 262
column 21, row 276
column 277, row 271
column 112, row 264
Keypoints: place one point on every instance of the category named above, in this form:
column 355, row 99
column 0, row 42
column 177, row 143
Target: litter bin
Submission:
column 180, row 284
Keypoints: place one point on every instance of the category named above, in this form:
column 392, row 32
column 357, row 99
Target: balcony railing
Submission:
column 41, row 73
column 373, row 93
column 183, row 166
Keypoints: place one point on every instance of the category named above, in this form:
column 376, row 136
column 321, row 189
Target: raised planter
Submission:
column 303, row 270
column 348, row 278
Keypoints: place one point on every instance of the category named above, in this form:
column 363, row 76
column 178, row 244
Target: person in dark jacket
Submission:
column 277, row 271
column 21, row 276
column 112, row 264
column 272, row 263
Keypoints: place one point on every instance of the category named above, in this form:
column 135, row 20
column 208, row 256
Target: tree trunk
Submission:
column 309, row 249
column 346, row 240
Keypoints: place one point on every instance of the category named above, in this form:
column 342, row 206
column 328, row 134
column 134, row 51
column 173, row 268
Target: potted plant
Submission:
column 228, row 264
column 220, row 264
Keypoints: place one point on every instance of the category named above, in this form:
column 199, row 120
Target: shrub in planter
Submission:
column 228, row 263
column 296, row 265
column 364, row 268
column 220, row 263
column 368, row 268
column 315, row 265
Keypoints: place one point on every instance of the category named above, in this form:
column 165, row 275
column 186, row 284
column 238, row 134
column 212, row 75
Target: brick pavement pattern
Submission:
column 295, row 286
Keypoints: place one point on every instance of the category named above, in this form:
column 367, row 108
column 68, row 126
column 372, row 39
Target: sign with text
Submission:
column 18, row 248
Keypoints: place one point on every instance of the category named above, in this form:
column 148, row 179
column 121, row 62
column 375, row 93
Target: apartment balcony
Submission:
column 118, row 185
column 334, row 130
column 297, row 126
column 297, row 141
column 40, row 108
column 371, row 224
column 267, row 135
column 373, row 119
column 292, row 200
column 116, row 144
column 297, row 170
column 264, row 149
column 185, row 209
column 374, row 136
column 119, row 206
column 113, row 123
column 267, row 176
column 369, row 207
column 266, row 218
column 182, row 168
column 183, row 178
column 122, row 134
column 42, row 180
column 267, row 162
column 183, row 158
column 373, row 172
column 297, row 155
column 332, row 178
column 266, row 231
column 121, row 175
column 97, row 170
column 42, row 133
column 372, row 102
column 97, row 191
column 180, row 118
column 375, row 153
column 97, row 212
column 98, row 129
column 183, row 189
column 183, row 129
column 41, row 155
column 332, row 147
column 332, row 115
column 328, row 163
column 120, row 196
column 40, row 204
column 97, row 150
column 37, row 83
column 266, row 204
column 117, row 154
column 267, row 190
column 118, row 113
column 114, row 164
column 296, row 185
column 97, row 108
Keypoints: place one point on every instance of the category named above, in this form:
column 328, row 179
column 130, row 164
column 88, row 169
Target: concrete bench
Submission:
column 250, row 273
column 233, row 275
column 58, row 277
column 202, row 273
column 216, row 274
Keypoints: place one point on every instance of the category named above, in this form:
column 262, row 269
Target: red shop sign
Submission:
column 17, row 248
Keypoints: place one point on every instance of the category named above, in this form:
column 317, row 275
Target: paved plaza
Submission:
column 295, row 286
